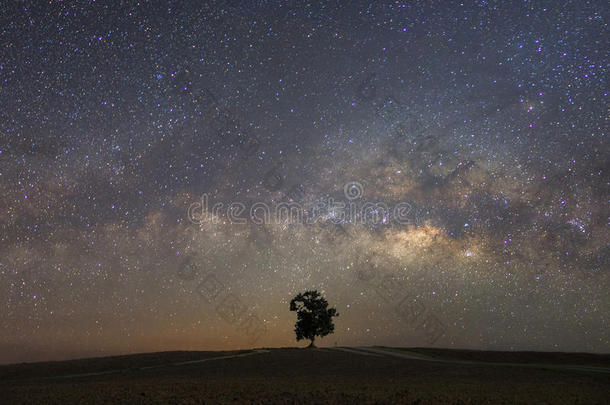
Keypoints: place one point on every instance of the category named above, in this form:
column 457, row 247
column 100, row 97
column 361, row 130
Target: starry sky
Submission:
column 447, row 163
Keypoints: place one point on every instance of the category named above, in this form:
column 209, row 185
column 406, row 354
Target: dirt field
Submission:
column 313, row 376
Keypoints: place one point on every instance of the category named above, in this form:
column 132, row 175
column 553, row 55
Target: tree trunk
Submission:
column 311, row 345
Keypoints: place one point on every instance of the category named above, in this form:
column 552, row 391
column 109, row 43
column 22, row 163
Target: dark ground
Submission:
column 312, row 376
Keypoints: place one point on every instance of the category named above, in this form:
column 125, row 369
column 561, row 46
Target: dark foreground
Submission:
column 314, row 376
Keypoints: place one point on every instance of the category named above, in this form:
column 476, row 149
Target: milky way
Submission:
column 443, row 167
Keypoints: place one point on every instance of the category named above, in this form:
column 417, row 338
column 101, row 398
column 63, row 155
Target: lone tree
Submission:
column 314, row 318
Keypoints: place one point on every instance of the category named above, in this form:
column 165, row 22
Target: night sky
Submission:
column 444, row 168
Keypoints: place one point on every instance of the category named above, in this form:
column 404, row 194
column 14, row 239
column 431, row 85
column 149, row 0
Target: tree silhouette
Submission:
column 314, row 318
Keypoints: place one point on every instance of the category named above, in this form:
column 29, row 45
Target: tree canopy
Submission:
column 314, row 318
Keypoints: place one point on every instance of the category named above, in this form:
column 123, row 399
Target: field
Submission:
column 324, row 375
